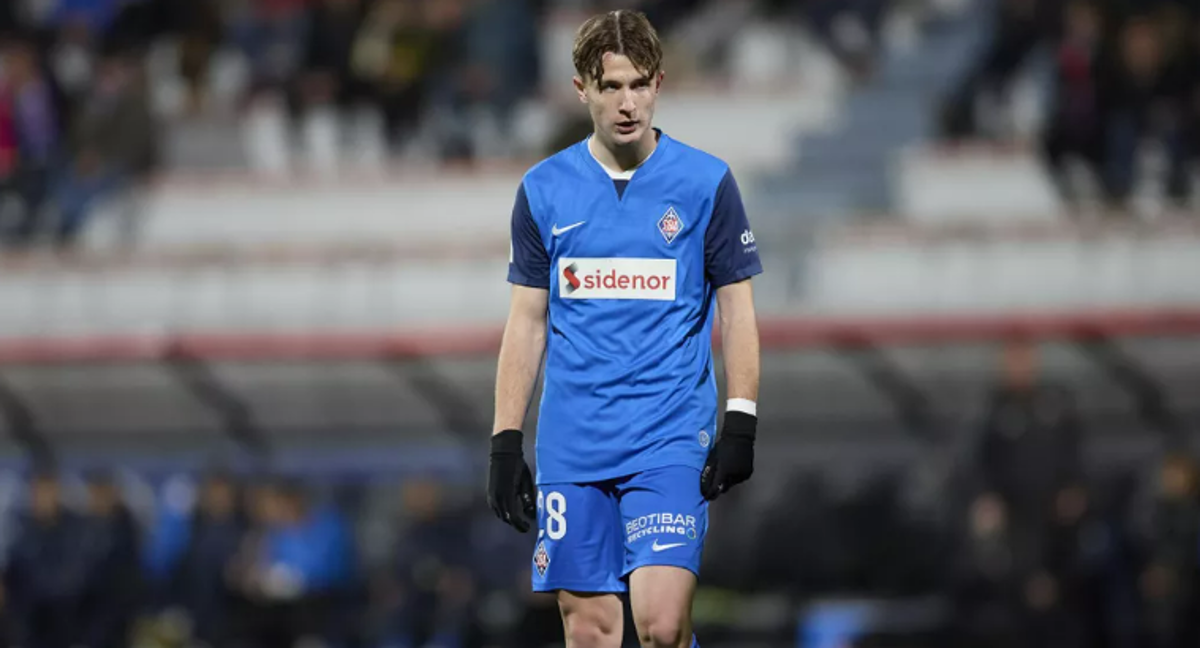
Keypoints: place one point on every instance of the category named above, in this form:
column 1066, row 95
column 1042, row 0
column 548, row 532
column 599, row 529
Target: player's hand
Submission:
column 731, row 460
column 510, row 483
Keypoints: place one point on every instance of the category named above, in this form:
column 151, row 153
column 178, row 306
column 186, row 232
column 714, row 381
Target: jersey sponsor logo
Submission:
column 670, row 225
column 661, row 524
column 559, row 231
column 748, row 244
column 652, row 279
column 657, row 547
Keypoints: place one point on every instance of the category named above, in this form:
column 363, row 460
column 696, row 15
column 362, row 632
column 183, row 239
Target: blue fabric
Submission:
column 96, row 14
column 317, row 549
column 592, row 536
column 629, row 384
column 167, row 542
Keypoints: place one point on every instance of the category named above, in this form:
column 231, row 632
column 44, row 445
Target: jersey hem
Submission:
column 593, row 477
column 581, row 587
column 682, row 563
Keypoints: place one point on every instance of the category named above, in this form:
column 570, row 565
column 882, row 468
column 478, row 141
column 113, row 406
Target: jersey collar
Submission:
column 641, row 169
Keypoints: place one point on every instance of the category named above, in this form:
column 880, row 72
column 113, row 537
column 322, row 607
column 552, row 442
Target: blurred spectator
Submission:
column 77, row 31
column 1065, row 597
column 427, row 591
column 9, row 144
column 114, row 575
column 1079, row 557
column 1030, row 461
column 202, row 581
column 1143, row 95
column 1172, row 540
column 271, row 34
column 985, row 579
column 1075, row 128
column 1193, row 105
column 113, row 146
column 851, row 29
column 47, row 570
column 494, row 66
column 328, row 76
column 200, row 28
column 397, row 52
column 1031, row 440
column 1019, row 27
column 509, row 613
column 293, row 567
column 33, row 121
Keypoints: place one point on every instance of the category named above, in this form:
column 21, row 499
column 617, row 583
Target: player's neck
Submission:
column 624, row 158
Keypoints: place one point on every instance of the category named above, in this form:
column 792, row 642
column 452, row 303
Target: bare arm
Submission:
column 521, row 352
column 739, row 340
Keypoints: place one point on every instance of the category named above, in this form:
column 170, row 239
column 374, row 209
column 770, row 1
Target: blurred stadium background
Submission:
column 252, row 287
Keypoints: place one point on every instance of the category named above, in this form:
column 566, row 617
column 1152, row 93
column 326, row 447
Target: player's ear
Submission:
column 580, row 89
column 658, row 80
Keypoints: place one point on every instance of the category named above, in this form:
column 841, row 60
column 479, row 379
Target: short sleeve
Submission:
column 528, row 261
column 730, row 253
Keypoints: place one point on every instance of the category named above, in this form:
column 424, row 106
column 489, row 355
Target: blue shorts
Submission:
column 592, row 536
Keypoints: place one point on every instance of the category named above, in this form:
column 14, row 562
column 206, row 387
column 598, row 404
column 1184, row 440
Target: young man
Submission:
column 619, row 245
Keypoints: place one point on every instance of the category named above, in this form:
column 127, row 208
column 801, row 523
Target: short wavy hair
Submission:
column 623, row 31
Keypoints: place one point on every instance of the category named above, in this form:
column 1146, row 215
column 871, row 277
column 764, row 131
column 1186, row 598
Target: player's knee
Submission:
column 665, row 631
column 590, row 633
column 590, row 630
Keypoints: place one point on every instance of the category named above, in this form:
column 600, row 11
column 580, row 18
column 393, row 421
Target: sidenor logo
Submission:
column 617, row 278
column 573, row 282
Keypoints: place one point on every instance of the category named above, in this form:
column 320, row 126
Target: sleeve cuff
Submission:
column 521, row 279
column 737, row 275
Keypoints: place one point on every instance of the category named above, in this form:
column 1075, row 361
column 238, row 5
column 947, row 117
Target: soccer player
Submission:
column 623, row 245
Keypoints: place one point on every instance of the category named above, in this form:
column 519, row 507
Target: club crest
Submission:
column 670, row 225
column 541, row 559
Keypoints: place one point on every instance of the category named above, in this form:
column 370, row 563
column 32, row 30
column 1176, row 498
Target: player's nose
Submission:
column 627, row 103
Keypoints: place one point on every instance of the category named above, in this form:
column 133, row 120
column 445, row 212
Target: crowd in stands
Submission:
column 77, row 117
column 1125, row 85
column 81, row 117
column 75, row 124
column 1057, row 564
column 1024, row 544
column 86, row 113
column 254, row 563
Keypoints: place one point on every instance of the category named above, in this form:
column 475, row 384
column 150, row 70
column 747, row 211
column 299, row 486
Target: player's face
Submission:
column 622, row 102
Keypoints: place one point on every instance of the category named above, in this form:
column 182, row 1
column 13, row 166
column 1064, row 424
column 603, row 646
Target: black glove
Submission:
column 510, row 484
column 731, row 460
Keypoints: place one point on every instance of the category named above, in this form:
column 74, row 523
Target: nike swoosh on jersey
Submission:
column 556, row 231
column 658, row 547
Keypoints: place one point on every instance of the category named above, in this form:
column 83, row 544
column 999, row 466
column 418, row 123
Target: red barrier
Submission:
column 776, row 334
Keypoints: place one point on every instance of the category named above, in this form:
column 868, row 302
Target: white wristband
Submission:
column 744, row 405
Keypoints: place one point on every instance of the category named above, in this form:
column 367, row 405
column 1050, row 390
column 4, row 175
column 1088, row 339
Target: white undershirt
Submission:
column 617, row 175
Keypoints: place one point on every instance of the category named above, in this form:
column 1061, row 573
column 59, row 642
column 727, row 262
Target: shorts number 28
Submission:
column 556, row 514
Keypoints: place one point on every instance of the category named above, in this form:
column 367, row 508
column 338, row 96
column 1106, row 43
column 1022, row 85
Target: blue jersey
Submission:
column 631, row 265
